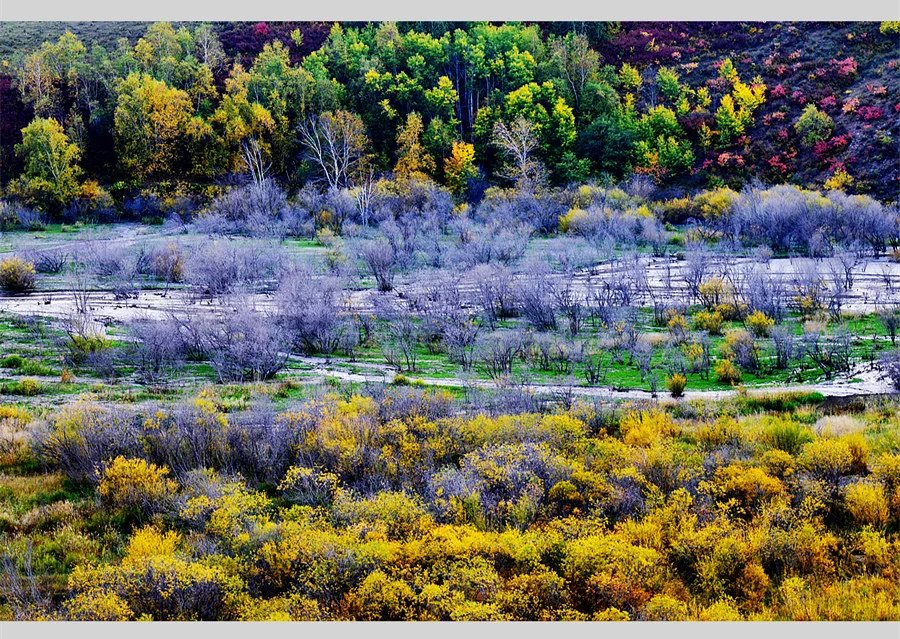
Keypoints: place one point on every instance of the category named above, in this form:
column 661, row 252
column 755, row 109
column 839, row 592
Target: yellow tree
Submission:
column 459, row 168
column 237, row 119
column 413, row 161
column 150, row 120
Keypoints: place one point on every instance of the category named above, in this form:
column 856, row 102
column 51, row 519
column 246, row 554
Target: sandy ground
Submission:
column 866, row 381
column 877, row 281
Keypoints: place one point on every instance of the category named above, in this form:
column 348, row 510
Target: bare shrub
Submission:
column 400, row 336
column 379, row 258
column 890, row 366
column 50, row 261
column 494, row 292
column 310, row 307
column 536, row 300
column 831, row 353
column 157, row 351
column 497, row 351
column 221, row 267
column 244, row 345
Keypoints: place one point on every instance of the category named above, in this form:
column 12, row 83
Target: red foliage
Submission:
column 778, row 91
column 835, row 145
column 828, row 102
column 845, row 68
column 730, row 159
column 869, row 113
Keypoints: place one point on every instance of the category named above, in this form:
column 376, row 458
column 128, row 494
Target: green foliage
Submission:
column 813, row 125
column 51, row 177
column 786, row 435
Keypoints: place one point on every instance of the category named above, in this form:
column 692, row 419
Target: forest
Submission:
column 449, row 321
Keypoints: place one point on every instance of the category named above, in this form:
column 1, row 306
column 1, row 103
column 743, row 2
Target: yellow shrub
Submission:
column 711, row 322
column 840, row 180
column 760, row 324
column 134, row 483
column 726, row 372
column 778, row 463
column 533, row 596
column 396, row 514
column 16, row 275
column 380, row 598
column 150, row 542
column 867, row 504
column 715, row 203
column 665, row 608
column 721, row 431
column 9, row 411
column 237, row 515
column 723, row 610
column 98, row 605
column 676, row 383
column 571, row 220
column 715, row 291
column 161, row 588
column 611, row 614
column 677, row 323
column 292, row 607
column 643, row 428
column 827, row 457
column 877, row 551
column 749, row 486
column 309, row 486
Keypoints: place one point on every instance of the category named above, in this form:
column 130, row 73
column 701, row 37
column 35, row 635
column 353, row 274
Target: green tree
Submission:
column 51, row 176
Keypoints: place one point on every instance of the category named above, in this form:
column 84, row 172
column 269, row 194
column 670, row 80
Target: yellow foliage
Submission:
column 149, row 542
column 715, row 203
column 16, row 275
column 644, row 428
column 829, row 457
column 867, row 504
column 711, row 322
column 572, row 220
column 381, row 598
column 98, row 605
column 135, row 483
column 840, row 180
column 726, row 372
column 760, row 324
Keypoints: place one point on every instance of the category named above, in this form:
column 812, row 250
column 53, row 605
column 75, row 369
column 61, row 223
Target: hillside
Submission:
column 847, row 71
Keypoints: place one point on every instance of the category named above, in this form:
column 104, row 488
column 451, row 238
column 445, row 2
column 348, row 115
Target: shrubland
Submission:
column 407, row 504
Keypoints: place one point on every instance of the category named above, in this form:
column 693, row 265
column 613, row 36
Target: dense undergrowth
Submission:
column 404, row 504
